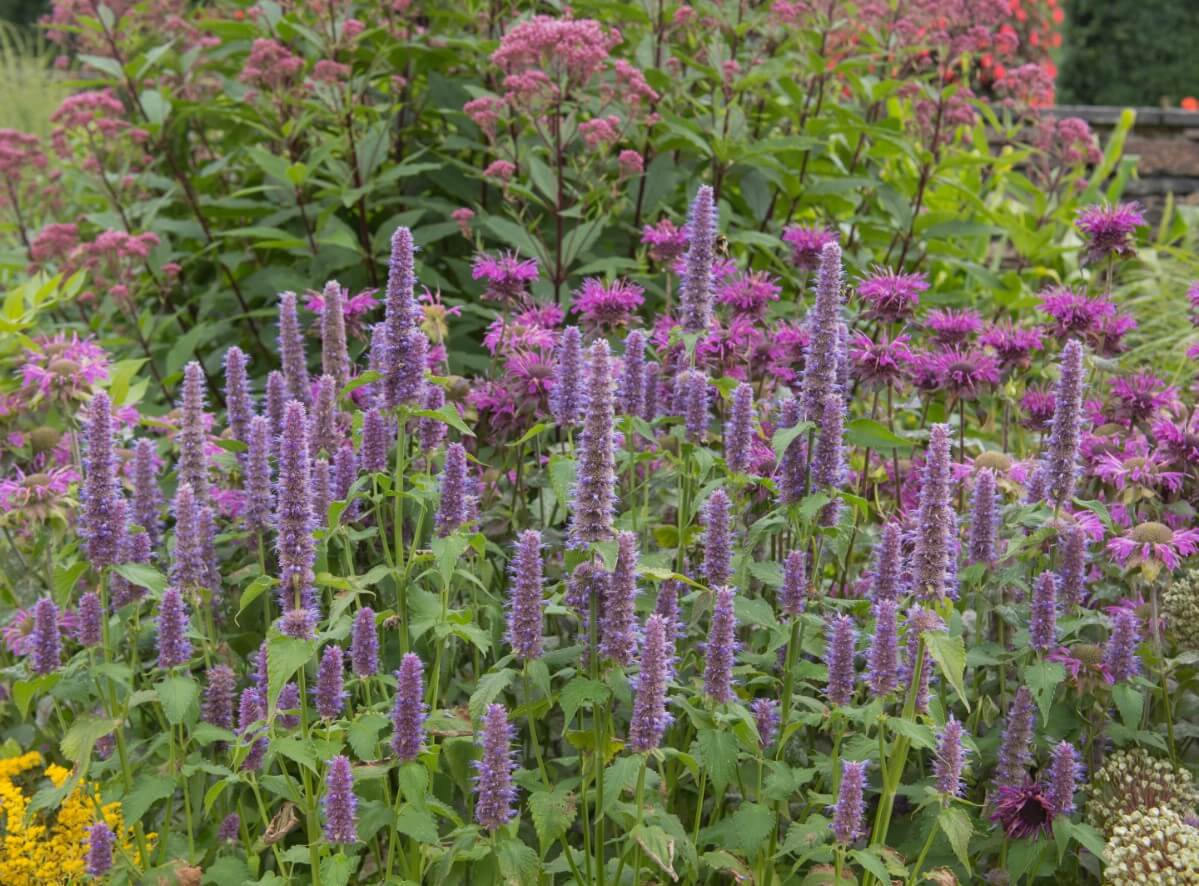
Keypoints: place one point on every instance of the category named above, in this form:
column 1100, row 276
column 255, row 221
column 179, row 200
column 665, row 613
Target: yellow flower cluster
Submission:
column 43, row 851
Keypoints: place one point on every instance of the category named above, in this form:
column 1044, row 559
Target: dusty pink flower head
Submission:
column 63, row 366
column 631, row 163
column 949, row 326
column 462, row 217
column 270, row 65
column 567, row 51
column 500, row 169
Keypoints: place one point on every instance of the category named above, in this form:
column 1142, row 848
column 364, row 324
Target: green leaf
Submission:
column 562, row 476
column 177, row 695
column 869, row 434
column 487, row 690
column 918, row 734
column 553, row 812
column 417, row 824
column 581, row 692
column 1042, row 679
column 254, row 590
column 872, row 863
column 657, row 845
column 518, row 863
column 958, row 829
column 336, row 870
column 744, row 831
column 618, row 778
column 363, row 734
column 297, row 750
column 1130, row 701
column 285, row 656
column 143, row 576
column 23, row 691
column 228, row 869
column 718, row 754
column 950, row 655
column 77, row 744
column 447, row 552
column 447, row 414
column 147, row 790
column 784, row 437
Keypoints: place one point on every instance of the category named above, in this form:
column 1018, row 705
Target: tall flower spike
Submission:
column 650, row 718
column 1065, row 770
column 189, row 563
column 329, row 693
column 147, row 497
column 217, row 708
column 322, row 490
column 567, row 397
column 364, row 644
column 525, row 597
column 401, row 281
column 1042, row 625
column 293, row 517
column 456, row 505
column 174, row 648
column 404, row 374
column 718, row 547
column 1015, row 748
column 494, row 791
column 696, row 287
column 936, row 522
column 408, row 712
column 593, row 500
column 828, row 456
column 324, row 435
column 618, row 618
column 335, row 356
column 883, row 658
column 276, row 402
column 1120, row 657
column 192, row 437
column 430, row 432
column 691, row 401
column 345, row 474
column 850, row 806
column 250, row 711
column 793, row 595
column 983, row 543
column 259, row 497
column 738, row 432
column 403, row 362
column 839, row 655
column 238, row 402
column 1072, row 574
column 822, row 354
column 793, row 468
column 766, row 718
column 135, row 548
column 378, row 436
column 632, row 375
column 91, row 617
column 100, row 490
column 1061, row 460
column 950, row 760
column 291, row 349
column 46, row 647
column 886, row 576
column 721, row 650
column 667, row 606
column 649, row 387
column 100, row 840
column 340, row 804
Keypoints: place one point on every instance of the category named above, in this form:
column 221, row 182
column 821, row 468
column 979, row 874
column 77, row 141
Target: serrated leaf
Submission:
column 447, row 414
column 1130, row 701
column 177, row 695
column 718, row 755
column 363, row 734
column 147, row 790
column 744, row 831
column 618, row 778
column 918, row 734
column 784, row 437
column 950, row 655
column 417, row 824
column 285, row 656
column 581, row 692
column 254, row 590
column 958, row 829
column 336, row 870
column 1042, row 679
column 518, row 863
column 869, row 434
column 79, row 740
column 657, row 845
column 872, row 863
column 143, row 576
column 487, row 690
column 553, row 812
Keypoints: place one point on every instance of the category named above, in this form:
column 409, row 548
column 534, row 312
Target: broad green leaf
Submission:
column 958, row 829
column 177, row 695
column 143, row 576
column 1042, row 679
column 447, row 414
column 417, row 824
column 618, row 778
column 553, row 812
column 519, row 865
column 363, row 734
column 254, row 590
column 657, row 845
column 745, row 831
column 950, row 655
column 285, row 656
column 869, row 434
column 784, row 437
column 718, row 754
column 918, row 734
column 337, row 869
column 488, row 689
column 1130, row 700
column 581, row 692
column 147, row 790
column 872, row 863
column 79, row 740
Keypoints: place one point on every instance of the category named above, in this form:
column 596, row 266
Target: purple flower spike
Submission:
column 345, row 474
column 936, row 522
column 364, row 644
column 293, row 517
column 46, row 648
column 722, row 649
column 494, row 791
column 822, row 355
column 408, row 712
column 1015, row 748
column 691, row 400
column 950, row 760
column 276, row 403
column 403, row 362
column 1065, row 771
column 335, row 356
column 632, row 376
column 192, row 436
column 984, row 524
column 378, row 436
column 828, row 456
column 239, row 403
column 100, row 840
column 766, row 718
column 250, row 710
column 883, row 658
column 324, row 435
column 793, row 595
column 618, row 625
column 738, row 433
column 230, row 828
column 1072, row 576
column 174, row 648
column 793, row 469
column 430, row 432
column 567, row 397
column 848, row 810
column 886, row 575
column 525, row 599
column 650, row 718
column 456, row 506
column 189, row 565
column 593, row 500
column 217, row 707
column 1042, row 625
column 329, row 692
column 340, row 804
column 649, row 387
column 667, row 606
column 289, row 700
column 91, row 617
column 291, row 349
column 919, row 621
column 401, row 307
column 147, row 497
column 135, row 548
column 322, row 490
column 696, row 288
column 718, row 548
column 839, row 655
column 1120, row 657
column 259, row 495
column 1061, row 460
column 100, row 490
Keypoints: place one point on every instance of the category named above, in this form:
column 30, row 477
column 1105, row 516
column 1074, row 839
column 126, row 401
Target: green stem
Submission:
column 928, row 844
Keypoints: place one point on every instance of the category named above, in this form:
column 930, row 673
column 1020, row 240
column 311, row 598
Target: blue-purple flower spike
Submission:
column 494, row 790
column 340, row 804
column 403, row 363
column 525, row 598
column 291, row 349
column 618, row 624
column 378, row 436
column 593, row 501
column 1065, row 771
column 408, row 711
column 100, row 841
column 850, row 806
column 567, row 396
column 1120, row 657
column 883, row 658
column 738, row 432
column 1015, row 748
column 822, row 354
column 650, row 718
column 887, row 573
column 695, row 291
column 456, row 505
column 828, row 456
column 324, row 435
column 1061, row 460
column 718, row 544
column 193, row 437
column 793, row 468
column 839, row 656
column 329, row 692
column 1072, row 574
column 721, row 650
column 950, row 760
column 101, row 528
column 632, row 374
column 174, row 647
column 936, row 522
column 692, row 399
column 793, row 595
column 1042, row 625
column 238, row 402
column 259, row 494
column 147, row 497
column 364, row 644
column 984, row 520
column 46, row 647
column 294, row 519
column 335, row 356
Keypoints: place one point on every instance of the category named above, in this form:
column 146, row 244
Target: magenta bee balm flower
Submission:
column 1108, row 230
